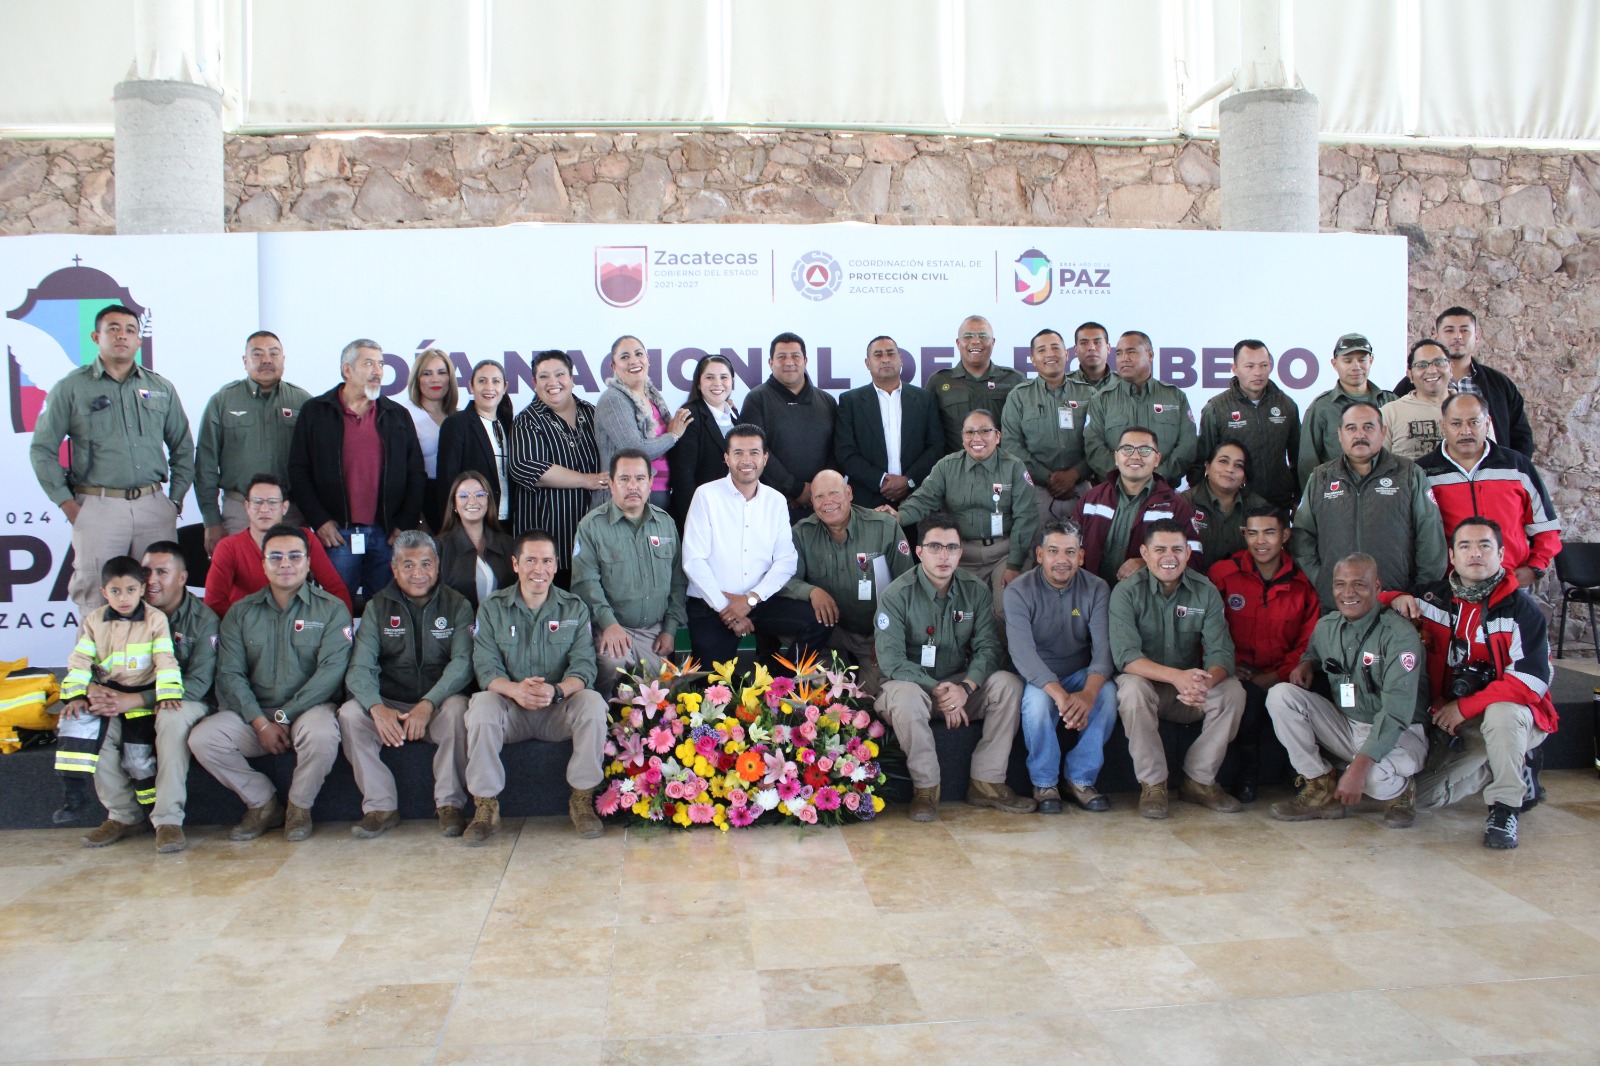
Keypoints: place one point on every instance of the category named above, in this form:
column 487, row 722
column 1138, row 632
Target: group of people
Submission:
column 1054, row 552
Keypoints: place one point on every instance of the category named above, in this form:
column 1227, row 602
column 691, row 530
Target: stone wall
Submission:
column 1513, row 234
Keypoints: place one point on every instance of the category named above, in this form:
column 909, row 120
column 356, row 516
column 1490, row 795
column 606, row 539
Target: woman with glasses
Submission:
column 555, row 459
column 632, row 413
column 236, row 566
column 479, row 439
column 989, row 492
column 1222, row 499
column 697, row 457
column 474, row 551
column 434, row 397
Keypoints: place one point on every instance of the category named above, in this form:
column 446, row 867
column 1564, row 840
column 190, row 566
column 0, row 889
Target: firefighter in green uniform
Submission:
column 1138, row 399
column 975, row 384
column 1319, row 430
column 1043, row 426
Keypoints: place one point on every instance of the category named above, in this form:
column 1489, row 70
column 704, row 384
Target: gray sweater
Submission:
column 799, row 432
column 1055, row 632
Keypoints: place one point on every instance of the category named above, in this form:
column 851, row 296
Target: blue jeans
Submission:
column 1040, row 719
column 368, row 572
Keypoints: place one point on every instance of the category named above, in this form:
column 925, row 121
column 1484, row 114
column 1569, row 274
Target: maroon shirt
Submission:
column 362, row 463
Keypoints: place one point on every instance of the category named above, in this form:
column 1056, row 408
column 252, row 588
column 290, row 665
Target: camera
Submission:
column 1469, row 678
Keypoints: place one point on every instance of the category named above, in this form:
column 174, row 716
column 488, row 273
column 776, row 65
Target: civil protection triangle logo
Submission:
column 621, row 273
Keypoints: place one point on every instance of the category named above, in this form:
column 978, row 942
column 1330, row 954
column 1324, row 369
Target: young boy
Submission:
column 125, row 646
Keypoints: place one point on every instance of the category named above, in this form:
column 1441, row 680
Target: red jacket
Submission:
column 238, row 569
column 1508, row 630
column 1099, row 506
column 1503, row 486
column 1271, row 621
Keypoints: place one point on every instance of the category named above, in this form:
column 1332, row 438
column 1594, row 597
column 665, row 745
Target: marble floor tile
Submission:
column 746, row 1049
column 825, row 996
column 720, row 1001
column 1002, row 986
column 356, row 1016
column 544, row 1053
column 1511, row 1017
column 1348, row 1029
column 1093, row 924
column 1285, row 966
column 1067, row 1039
column 1203, row 1034
column 1129, row 978
column 1224, row 916
column 526, row 1010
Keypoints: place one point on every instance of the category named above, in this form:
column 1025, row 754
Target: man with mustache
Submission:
column 355, row 470
column 1319, row 430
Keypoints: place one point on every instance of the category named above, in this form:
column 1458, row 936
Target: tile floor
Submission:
column 986, row 938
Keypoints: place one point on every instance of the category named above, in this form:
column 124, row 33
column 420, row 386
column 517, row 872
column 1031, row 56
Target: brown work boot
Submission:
column 485, row 822
column 1087, row 797
column 170, row 839
column 1314, row 800
column 1153, row 800
column 373, row 823
column 999, row 796
column 1047, row 799
column 452, row 820
column 1401, row 812
column 110, row 831
column 924, row 804
column 258, row 820
column 580, row 808
column 1210, row 797
column 297, row 824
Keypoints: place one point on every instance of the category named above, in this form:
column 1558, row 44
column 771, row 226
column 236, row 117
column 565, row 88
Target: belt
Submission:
column 987, row 542
column 119, row 494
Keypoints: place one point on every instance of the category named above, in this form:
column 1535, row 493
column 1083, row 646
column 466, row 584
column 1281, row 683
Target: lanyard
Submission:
column 1350, row 664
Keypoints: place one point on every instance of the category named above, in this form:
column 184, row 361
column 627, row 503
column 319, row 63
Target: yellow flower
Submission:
column 763, row 678
column 704, row 797
column 872, row 746
column 641, row 808
column 783, row 807
column 690, row 701
column 731, row 747
column 685, row 752
column 701, row 767
column 614, row 768
column 723, row 672
column 877, row 804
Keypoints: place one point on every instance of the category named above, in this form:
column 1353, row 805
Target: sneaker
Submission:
column 1047, row 799
column 297, row 824
column 110, row 831
column 999, row 796
column 1500, row 830
column 1153, row 800
column 1401, row 812
column 374, row 823
column 1315, row 799
column 1209, row 796
column 924, row 804
column 258, row 820
column 170, row 839
column 1087, row 798
column 452, row 821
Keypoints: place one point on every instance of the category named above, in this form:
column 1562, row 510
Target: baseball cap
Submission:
column 1352, row 342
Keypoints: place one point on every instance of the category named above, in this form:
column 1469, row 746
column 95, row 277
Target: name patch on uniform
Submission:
column 1160, row 407
column 1184, row 612
column 287, row 412
column 1368, row 658
column 655, row 542
column 1236, row 602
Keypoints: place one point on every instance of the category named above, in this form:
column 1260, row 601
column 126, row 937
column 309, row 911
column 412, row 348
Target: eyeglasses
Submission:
column 974, row 336
column 465, row 496
column 1430, row 364
column 987, row 431
column 279, row 558
column 935, row 548
column 259, row 502
column 1144, row 451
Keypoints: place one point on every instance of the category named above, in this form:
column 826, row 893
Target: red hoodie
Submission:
column 1271, row 621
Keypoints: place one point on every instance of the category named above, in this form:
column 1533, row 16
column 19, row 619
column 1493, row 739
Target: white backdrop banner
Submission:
column 683, row 290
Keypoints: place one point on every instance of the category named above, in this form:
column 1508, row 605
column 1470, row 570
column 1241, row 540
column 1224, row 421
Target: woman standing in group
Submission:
column 1221, row 500
column 474, row 551
column 434, row 398
column 479, row 438
column 555, row 459
column 632, row 413
column 697, row 457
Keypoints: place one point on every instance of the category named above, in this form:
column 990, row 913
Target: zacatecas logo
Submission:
column 620, row 273
column 1033, row 277
column 816, row 275
column 47, row 335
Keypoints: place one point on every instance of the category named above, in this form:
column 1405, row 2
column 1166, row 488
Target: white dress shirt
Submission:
column 889, row 411
column 737, row 545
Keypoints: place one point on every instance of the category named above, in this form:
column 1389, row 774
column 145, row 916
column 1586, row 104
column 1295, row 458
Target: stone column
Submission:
column 1268, row 148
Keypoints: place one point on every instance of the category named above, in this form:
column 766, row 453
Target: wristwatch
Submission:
column 557, row 694
column 279, row 717
column 751, row 598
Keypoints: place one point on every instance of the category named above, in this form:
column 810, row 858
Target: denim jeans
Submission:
column 1040, row 720
column 367, row 572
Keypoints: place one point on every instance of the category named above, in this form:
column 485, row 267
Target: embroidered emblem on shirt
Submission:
column 1368, row 658
column 1236, row 602
column 883, row 620
column 1159, row 408
column 440, row 622
column 288, row 412
column 394, row 621
column 655, row 542
column 1408, row 660
column 299, row 624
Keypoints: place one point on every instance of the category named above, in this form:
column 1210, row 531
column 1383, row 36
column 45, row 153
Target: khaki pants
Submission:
column 864, row 652
column 988, row 561
column 224, row 741
column 235, row 519
column 1303, row 720
column 494, row 721
column 643, row 640
column 909, row 708
column 1489, row 759
column 108, row 527
column 111, row 782
column 447, row 730
column 1142, row 703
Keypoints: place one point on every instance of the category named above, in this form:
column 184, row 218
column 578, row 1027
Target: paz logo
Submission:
column 1368, row 658
column 1033, row 277
column 655, row 542
column 47, row 335
column 816, row 275
column 620, row 273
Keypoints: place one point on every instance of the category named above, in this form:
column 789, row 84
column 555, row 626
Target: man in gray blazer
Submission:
column 879, row 473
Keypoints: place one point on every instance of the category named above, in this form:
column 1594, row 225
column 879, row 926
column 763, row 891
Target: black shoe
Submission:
column 1533, row 792
column 1500, row 831
column 1245, row 790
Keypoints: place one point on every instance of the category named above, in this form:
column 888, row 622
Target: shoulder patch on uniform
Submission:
column 349, row 634
column 1027, row 477
column 905, row 549
column 883, row 620
column 1408, row 660
column 213, row 641
column 1235, row 602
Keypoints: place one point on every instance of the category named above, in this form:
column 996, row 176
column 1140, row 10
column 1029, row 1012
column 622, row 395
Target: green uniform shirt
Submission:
column 1183, row 631
column 516, row 642
column 1268, row 428
column 1386, row 668
column 1161, row 408
column 1044, row 427
column 960, row 624
column 1319, row 429
column 960, row 393
column 838, row 568
column 967, row 489
column 1115, row 551
column 125, row 434
column 289, row 660
column 245, row 431
column 194, row 644
column 409, row 652
column 1221, row 532
column 630, row 573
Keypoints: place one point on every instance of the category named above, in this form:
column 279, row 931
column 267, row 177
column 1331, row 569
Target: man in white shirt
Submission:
column 738, row 553
column 887, row 435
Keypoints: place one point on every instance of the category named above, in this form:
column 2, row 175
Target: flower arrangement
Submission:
column 695, row 748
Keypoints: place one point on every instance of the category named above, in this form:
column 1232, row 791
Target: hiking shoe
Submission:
column 1500, row 830
column 297, row 824
column 1314, row 800
column 999, row 796
column 1087, row 798
column 1401, row 812
column 452, row 821
column 373, row 823
column 580, row 808
column 1210, row 797
column 485, row 822
column 170, row 839
column 1153, row 800
column 1047, row 799
column 924, row 804
column 110, row 831
column 258, row 820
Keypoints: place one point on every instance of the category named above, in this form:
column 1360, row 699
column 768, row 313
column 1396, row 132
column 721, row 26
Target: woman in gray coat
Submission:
column 632, row 413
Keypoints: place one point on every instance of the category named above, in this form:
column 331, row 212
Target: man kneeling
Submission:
column 409, row 668
column 534, row 657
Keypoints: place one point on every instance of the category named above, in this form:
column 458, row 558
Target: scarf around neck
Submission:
column 1478, row 591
